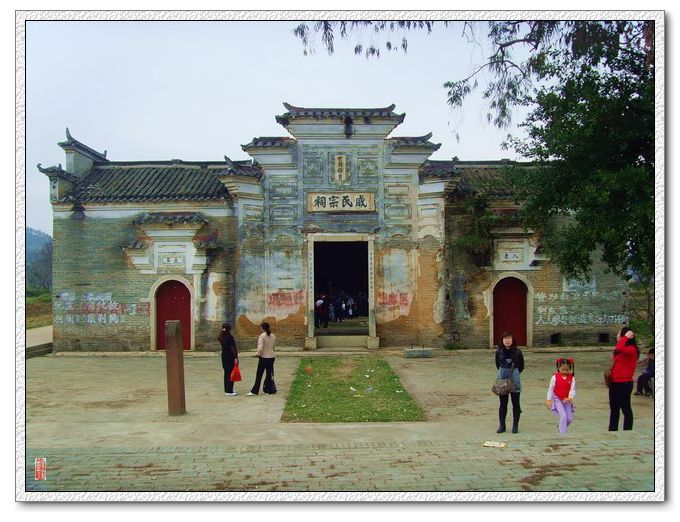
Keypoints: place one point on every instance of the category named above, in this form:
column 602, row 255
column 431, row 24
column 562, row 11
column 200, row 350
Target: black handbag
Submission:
column 269, row 387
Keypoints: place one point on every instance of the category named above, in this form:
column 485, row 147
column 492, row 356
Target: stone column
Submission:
column 310, row 340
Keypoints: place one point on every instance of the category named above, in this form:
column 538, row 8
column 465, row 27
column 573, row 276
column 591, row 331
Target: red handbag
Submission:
column 235, row 374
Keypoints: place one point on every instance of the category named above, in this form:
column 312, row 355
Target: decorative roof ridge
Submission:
column 293, row 108
column 57, row 171
column 170, row 218
column 337, row 112
column 496, row 162
column 250, row 169
column 433, row 162
column 72, row 142
column 424, row 137
column 168, row 163
column 414, row 141
column 269, row 141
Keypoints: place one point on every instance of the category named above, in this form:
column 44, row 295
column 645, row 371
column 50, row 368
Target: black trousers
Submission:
column 643, row 383
column 263, row 365
column 619, row 401
column 228, row 365
column 503, row 408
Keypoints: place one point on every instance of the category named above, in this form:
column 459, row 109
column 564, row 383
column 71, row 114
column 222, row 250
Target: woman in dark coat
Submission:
column 229, row 358
column 510, row 363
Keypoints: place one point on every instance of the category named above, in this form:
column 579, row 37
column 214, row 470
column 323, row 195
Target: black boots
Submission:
column 501, row 419
column 515, row 422
column 503, row 410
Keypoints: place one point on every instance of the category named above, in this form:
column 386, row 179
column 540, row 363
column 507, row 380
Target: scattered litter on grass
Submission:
column 369, row 389
column 352, row 389
column 367, row 376
column 494, row 444
column 400, row 391
column 358, row 395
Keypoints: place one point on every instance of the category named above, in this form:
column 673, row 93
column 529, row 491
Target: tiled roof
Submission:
column 488, row 180
column 433, row 169
column 157, row 181
column 208, row 244
column 71, row 142
column 170, row 218
column 415, row 141
column 135, row 244
column 327, row 112
column 264, row 142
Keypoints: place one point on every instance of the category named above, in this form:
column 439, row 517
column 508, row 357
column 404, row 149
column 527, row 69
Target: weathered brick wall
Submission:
column 88, row 259
column 408, row 314
column 396, row 293
column 579, row 317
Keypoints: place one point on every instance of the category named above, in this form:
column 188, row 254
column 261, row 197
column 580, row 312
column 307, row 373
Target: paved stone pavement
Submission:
column 101, row 422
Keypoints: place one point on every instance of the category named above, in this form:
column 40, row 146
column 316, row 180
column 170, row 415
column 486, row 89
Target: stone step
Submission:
column 38, row 350
column 342, row 341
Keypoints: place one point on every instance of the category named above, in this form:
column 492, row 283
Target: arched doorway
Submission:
column 173, row 302
column 510, row 310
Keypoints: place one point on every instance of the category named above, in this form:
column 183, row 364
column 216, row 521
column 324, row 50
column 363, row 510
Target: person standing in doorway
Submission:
column 265, row 355
column 625, row 359
column 229, row 358
column 510, row 363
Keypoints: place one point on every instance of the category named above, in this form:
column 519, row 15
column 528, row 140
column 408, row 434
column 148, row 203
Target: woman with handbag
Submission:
column 625, row 359
column 510, row 363
column 265, row 363
column 229, row 358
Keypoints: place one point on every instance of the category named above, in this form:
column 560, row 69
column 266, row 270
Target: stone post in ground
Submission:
column 174, row 365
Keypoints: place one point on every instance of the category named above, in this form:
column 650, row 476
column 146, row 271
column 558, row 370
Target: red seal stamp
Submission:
column 40, row 469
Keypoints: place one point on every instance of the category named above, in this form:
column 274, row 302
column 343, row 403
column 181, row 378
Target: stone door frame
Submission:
column 530, row 305
column 310, row 239
column 152, row 308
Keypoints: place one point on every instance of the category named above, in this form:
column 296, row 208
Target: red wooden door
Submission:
column 510, row 310
column 173, row 302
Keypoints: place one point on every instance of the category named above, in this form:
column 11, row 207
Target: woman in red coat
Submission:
column 625, row 359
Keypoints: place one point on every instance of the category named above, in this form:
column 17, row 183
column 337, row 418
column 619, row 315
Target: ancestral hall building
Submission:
column 139, row 242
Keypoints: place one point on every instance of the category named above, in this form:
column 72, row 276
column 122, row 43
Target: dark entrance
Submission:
column 510, row 310
column 173, row 302
column 341, row 275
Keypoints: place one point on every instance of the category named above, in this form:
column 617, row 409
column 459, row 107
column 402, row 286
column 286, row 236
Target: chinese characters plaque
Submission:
column 340, row 202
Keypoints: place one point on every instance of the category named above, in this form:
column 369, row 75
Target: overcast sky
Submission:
column 199, row 90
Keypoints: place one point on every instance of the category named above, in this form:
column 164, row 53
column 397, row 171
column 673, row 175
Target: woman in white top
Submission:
column 265, row 354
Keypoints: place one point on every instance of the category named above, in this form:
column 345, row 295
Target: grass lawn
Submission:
column 38, row 311
column 348, row 389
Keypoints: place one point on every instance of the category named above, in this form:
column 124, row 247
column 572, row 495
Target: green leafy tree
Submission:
column 590, row 133
column 591, row 136
column 520, row 50
column 39, row 272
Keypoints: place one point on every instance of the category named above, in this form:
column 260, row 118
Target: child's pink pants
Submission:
column 565, row 411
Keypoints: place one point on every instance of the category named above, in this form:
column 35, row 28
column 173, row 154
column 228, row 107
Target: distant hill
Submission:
column 35, row 241
column 38, row 261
